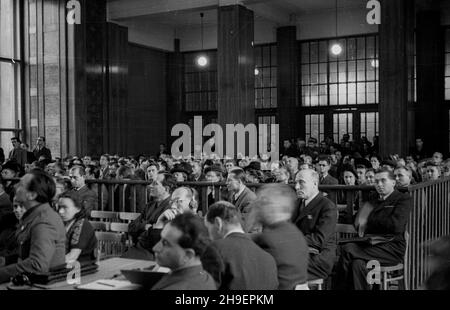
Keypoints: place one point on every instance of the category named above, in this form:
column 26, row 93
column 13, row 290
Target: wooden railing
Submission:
column 429, row 218
column 428, row 221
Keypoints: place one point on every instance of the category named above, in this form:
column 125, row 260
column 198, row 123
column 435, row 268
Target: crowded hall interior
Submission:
column 225, row 144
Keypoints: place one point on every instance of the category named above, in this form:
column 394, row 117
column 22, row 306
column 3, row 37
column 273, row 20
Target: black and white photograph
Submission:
column 225, row 150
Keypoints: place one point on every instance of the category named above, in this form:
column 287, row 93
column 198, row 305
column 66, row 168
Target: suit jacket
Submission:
column 318, row 222
column 20, row 155
column 289, row 249
column 329, row 180
column 191, row 278
column 42, row 152
column 149, row 215
column 242, row 265
column 389, row 217
column 41, row 238
column 5, row 205
column 243, row 204
column 88, row 199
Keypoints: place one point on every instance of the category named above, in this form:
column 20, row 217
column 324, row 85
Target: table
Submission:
column 107, row 269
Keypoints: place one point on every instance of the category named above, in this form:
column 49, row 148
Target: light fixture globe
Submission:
column 256, row 71
column 336, row 49
column 374, row 63
column 202, row 60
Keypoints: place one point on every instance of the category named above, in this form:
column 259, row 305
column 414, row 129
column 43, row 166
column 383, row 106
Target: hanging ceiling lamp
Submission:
column 336, row 47
column 202, row 59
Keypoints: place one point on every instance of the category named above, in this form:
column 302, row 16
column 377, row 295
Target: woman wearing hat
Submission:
column 80, row 235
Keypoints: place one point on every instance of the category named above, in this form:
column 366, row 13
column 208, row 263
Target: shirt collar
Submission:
column 236, row 196
column 233, row 231
column 383, row 198
column 310, row 199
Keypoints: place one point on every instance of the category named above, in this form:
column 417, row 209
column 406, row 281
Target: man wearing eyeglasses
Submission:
column 41, row 150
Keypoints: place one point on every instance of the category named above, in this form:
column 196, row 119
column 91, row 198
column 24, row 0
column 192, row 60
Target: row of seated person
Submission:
column 315, row 217
column 301, row 253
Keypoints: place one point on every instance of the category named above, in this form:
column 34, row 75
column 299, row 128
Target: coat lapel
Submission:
column 309, row 207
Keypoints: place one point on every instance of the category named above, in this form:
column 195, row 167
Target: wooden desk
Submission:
column 107, row 269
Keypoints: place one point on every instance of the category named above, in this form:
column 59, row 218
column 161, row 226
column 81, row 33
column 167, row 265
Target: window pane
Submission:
column 323, row 51
column 305, row 53
column 333, row 94
column 314, row 52
column 9, row 29
column 361, row 48
column 351, row 49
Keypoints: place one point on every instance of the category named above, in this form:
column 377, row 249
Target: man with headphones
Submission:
column 182, row 200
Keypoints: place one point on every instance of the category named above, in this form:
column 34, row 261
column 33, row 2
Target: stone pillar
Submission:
column 431, row 116
column 287, row 61
column 396, row 61
column 235, row 56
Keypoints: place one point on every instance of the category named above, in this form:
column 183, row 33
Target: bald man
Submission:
column 316, row 217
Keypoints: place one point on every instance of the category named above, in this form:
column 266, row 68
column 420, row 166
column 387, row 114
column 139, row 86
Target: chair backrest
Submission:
column 106, row 216
column 110, row 244
column 405, row 260
column 101, row 226
column 345, row 231
column 119, row 227
column 128, row 216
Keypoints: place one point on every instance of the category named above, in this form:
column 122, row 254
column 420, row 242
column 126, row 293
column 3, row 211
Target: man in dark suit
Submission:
column 240, row 195
column 214, row 174
column 5, row 202
column 18, row 154
column 384, row 218
column 323, row 166
column 183, row 242
column 273, row 209
column 88, row 197
column 160, row 191
column 316, row 217
column 41, row 150
column 42, row 234
column 243, row 265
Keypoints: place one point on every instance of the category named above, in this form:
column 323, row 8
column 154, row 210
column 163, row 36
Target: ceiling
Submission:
column 179, row 13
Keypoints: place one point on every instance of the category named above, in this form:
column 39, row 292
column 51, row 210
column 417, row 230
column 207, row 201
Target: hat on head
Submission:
column 362, row 162
column 216, row 168
column 389, row 162
column 255, row 165
column 182, row 167
column 312, row 140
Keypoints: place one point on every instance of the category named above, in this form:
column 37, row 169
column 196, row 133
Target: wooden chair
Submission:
column 128, row 216
column 104, row 216
column 345, row 231
column 100, row 226
column 110, row 244
column 395, row 273
column 122, row 228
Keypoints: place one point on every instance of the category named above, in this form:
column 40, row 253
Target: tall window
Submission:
column 10, row 68
column 348, row 79
column 200, row 83
column 342, row 124
column 447, row 64
column 343, row 86
column 265, row 76
column 315, row 126
column 369, row 125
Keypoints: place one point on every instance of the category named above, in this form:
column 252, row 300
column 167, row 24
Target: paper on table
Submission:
column 107, row 284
